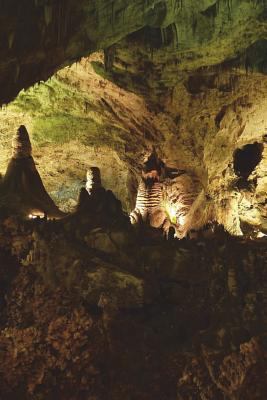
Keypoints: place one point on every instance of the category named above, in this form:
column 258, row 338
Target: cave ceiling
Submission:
column 101, row 82
column 40, row 36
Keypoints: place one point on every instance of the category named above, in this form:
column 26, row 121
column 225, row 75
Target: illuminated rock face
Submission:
column 180, row 195
column 199, row 133
column 171, row 76
column 149, row 207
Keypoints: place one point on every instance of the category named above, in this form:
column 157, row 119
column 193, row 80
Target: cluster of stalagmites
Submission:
column 22, row 191
column 169, row 200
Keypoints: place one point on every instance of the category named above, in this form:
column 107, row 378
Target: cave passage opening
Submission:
column 247, row 158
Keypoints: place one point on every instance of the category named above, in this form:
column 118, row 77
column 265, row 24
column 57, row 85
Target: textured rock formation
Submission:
column 149, row 208
column 148, row 204
column 180, row 196
column 98, row 203
column 22, row 190
column 198, row 127
column 21, row 145
column 90, row 307
column 93, row 181
column 41, row 36
column 172, row 321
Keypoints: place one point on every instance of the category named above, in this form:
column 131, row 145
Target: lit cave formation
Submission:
column 133, row 207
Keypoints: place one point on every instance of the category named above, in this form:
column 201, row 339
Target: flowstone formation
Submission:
column 149, row 208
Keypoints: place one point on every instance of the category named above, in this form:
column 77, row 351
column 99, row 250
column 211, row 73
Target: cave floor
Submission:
column 100, row 312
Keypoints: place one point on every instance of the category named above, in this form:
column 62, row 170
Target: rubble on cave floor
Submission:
column 94, row 310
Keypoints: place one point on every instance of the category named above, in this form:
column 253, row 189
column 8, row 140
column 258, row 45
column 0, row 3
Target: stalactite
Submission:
column 177, row 5
column 17, row 71
column 218, row 6
column 48, row 14
column 11, row 37
column 229, row 8
column 112, row 15
column 232, row 281
column 59, row 23
column 163, row 36
column 175, row 35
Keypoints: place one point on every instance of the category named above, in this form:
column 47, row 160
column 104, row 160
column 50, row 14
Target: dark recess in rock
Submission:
column 196, row 84
column 211, row 11
column 220, row 116
column 247, row 158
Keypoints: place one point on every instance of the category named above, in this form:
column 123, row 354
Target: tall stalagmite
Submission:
column 22, row 189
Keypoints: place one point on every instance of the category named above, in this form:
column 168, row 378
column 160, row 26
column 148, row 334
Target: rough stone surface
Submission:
column 154, row 319
column 21, row 190
column 91, row 307
column 198, row 129
column 40, row 36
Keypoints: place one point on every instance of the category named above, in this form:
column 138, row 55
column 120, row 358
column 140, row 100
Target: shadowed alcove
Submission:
column 247, row 158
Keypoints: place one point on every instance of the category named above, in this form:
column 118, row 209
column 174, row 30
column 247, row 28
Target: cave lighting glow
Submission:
column 261, row 235
column 171, row 212
column 34, row 216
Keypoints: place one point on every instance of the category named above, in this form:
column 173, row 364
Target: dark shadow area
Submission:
column 247, row 158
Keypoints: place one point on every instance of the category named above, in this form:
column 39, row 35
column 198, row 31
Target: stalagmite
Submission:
column 96, row 201
column 93, row 179
column 11, row 37
column 48, row 14
column 21, row 145
column 22, row 190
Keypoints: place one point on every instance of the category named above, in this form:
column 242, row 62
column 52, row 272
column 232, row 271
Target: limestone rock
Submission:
column 22, row 189
column 21, row 145
column 93, row 180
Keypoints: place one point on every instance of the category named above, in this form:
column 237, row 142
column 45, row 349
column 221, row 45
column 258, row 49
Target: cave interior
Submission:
column 133, row 207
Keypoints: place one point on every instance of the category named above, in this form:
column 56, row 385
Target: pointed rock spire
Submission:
column 22, row 189
column 21, row 145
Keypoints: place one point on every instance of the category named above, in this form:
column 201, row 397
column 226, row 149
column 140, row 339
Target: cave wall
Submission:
column 172, row 74
column 81, row 117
